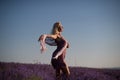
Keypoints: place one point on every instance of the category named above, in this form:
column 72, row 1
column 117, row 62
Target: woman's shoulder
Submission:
column 51, row 36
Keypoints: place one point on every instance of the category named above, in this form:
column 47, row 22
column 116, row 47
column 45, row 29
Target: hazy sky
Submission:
column 92, row 28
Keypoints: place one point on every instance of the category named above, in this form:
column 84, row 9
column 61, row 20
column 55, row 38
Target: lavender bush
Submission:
column 20, row 71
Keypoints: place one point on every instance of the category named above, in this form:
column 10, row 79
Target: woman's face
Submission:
column 60, row 28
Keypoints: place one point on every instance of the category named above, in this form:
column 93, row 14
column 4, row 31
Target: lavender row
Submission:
column 20, row 71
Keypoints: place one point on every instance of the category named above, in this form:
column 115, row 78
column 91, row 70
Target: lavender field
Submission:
column 20, row 71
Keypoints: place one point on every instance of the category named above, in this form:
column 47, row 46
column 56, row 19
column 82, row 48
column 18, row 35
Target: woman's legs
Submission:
column 56, row 66
column 58, row 74
column 61, row 66
column 65, row 72
column 64, row 75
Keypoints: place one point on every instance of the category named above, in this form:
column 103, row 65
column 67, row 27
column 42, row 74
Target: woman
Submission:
column 58, row 62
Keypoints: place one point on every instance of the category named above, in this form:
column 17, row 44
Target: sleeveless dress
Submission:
column 59, row 62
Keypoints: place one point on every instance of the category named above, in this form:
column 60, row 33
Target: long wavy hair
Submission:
column 56, row 28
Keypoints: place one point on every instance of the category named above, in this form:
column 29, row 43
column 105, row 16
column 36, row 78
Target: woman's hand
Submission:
column 43, row 49
column 56, row 57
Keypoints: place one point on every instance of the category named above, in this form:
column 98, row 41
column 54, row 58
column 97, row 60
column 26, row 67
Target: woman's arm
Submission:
column 42, row 40
column 68, row 45
column 61, row 51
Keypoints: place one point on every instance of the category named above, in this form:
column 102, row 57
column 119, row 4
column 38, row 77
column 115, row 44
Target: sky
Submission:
column 92, row 28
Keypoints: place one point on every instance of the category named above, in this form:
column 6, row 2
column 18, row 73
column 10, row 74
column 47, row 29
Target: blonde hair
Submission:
column 56, row 28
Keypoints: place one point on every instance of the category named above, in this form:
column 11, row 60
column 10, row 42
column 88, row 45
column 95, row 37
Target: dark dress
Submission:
column 59, row 62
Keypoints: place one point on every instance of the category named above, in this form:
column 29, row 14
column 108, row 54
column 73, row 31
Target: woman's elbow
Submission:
column 66, row 44
column 40, row 38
